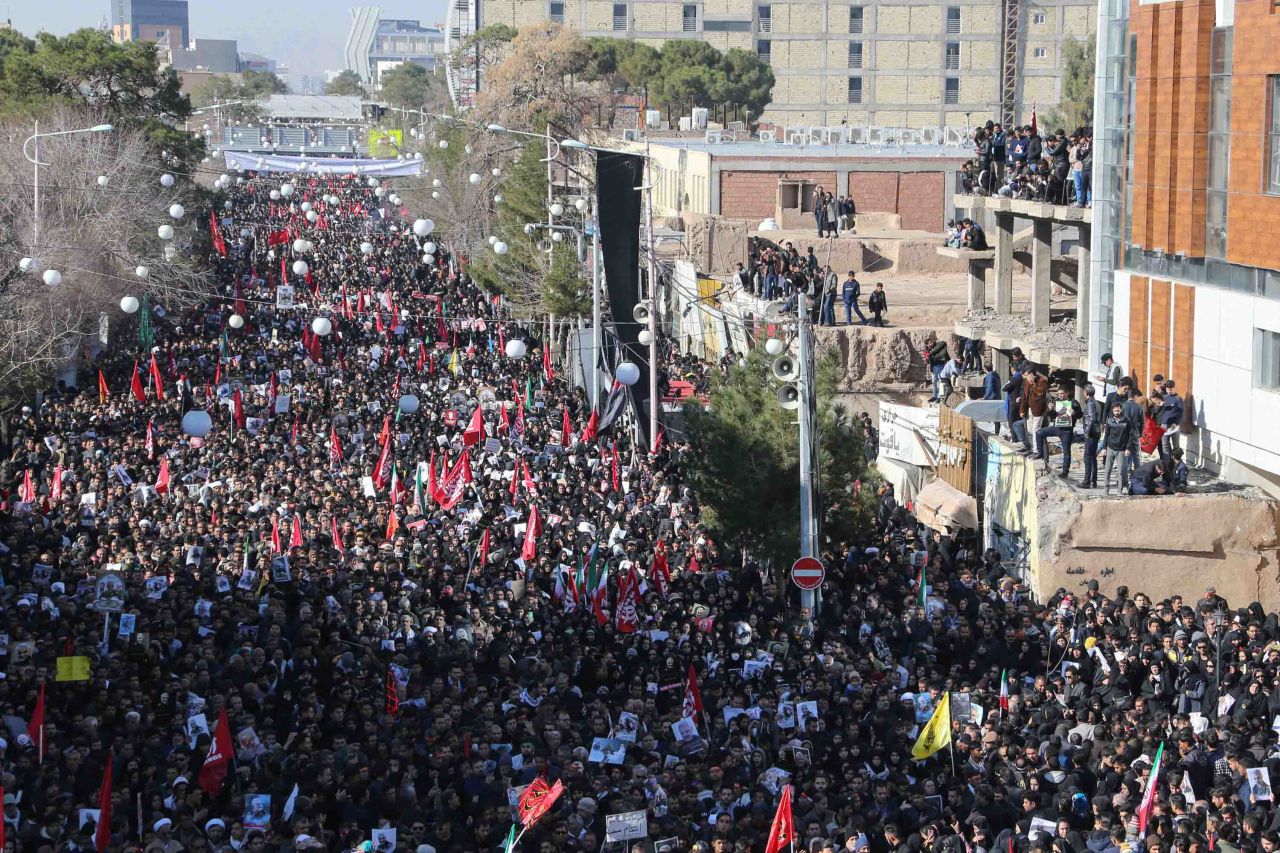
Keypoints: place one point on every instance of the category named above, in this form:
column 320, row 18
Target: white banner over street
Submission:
column 321, row 165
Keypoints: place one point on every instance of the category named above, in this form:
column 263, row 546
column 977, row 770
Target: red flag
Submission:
column 276, row 238
column 613, row 469
column 335, row 446
column 692, row 695
column 336, row 536
column 218, row 760
column 782, row 832
column 295, row 539
column 484, row 548
column 102, row 837
column 216, row 233
column 162, row 479
column 628, row 613
column 546, row 363
column 504, row 422
column 515, row 483
column 55, row 494
column 566, row 430
column 532, row 530
column 237, row 400
column 537, row 800
column 433, row 486
column 136, row 384
column 592, row 428
column 28, row 488
column 422, row 356
column 150, row 440
column 36, row 727
column 103, row 395
column 156, row 382
column 382, row 468
column 1033, row 118
column 393, row 694
column 659, row 571
column 693, row 563
column 453, row 487
column 527, row 480
column 475, row 431
column 393, row 524
column 657, row 442
column 293, row 432
column 275, row 535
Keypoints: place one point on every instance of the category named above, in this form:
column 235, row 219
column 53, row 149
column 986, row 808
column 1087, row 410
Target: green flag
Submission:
column 510, row 843
column 923, row 586
column 146, row 337
column 528, row 392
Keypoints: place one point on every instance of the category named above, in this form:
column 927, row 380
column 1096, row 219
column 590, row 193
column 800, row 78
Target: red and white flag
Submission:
column 532, row 530
column 692, row 695
column 628, row 615
column 218, row 759
column 783, row 831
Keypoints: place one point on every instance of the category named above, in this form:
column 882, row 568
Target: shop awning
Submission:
column 944, row 507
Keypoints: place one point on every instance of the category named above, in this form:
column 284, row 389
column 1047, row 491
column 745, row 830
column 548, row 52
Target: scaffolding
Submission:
column 1010, row 54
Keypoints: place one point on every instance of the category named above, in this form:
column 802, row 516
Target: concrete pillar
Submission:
column 1004, row 262
column 1041, row 258
column 1084, row 290
column 977, row 300
column 1000, row 362
column 842, row 182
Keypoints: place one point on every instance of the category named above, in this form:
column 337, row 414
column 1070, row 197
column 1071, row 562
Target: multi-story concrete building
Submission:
column 151, row 20
column 900, row 63
column 1186, row 269
column 376, row 44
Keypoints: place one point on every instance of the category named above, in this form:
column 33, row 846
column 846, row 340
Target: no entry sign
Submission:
column 808, row 573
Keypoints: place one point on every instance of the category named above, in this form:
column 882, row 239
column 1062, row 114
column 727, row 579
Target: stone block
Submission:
column 922, row 118
column 980, row 55
column 1079, row 21
column 924, row 55
column 1043, row 91
column 925, row 90
column 892, row 54
column 599, row 15
column 889, row 118
column 893, row 20
column 891, row 89
column 980, row 19
column 926, row 20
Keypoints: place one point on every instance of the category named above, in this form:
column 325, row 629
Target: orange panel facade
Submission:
column 1139, row 330
column 1170, row 122
column 1184, row 318
column 1253, row 217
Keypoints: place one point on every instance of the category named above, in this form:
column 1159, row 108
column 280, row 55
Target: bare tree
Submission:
column 95, row 234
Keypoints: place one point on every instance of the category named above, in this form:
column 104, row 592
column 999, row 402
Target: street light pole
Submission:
column 34, row 159
column 653, row 305
column 596, row 338
column 804, row 385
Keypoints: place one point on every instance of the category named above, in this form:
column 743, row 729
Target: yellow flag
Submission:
column 73, row 669
column 937, row 732
column 454, row 364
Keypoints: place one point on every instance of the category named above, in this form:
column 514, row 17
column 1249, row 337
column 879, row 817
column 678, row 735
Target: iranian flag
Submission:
column 1004, row 690
column 1149, row 795
column 598, row 586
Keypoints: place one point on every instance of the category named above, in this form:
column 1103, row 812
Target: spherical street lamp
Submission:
column 628, row 373
column 129, row 304
column 516, row 348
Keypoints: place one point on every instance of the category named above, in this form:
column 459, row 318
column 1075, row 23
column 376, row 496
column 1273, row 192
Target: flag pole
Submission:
column 952, row 746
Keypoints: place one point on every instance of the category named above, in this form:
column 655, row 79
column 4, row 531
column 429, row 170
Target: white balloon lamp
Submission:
column 628, row 373
column 235, row 321
column 322, row 326
column 516, row 348
column 197, row 423
column 129, row 305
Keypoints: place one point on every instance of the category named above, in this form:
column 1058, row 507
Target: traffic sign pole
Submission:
column 808, row 573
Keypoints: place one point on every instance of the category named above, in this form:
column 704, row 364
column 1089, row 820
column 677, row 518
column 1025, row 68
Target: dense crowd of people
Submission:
column 1021, row 163
column 407, row 613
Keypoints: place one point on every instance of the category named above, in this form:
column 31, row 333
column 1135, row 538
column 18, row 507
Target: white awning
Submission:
column 322, row 165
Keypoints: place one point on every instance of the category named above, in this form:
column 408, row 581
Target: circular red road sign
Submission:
column 808, row 573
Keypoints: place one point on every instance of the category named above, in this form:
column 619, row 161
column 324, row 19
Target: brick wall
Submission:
column 918, row 197
column 753, row 195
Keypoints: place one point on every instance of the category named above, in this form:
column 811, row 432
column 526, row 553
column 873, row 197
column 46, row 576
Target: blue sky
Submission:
column 308, row 35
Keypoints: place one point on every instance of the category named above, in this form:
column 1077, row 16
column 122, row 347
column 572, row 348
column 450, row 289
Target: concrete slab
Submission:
column 1021, row 207
column 966, row 254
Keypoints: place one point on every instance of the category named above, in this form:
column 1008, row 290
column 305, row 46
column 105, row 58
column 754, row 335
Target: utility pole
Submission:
column 808, row 445
column 35, row 222
column 653, row 302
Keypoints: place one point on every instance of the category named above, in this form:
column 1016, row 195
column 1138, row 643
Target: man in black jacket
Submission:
column 1035, row 148
column 878, row 304
column 1062, row 423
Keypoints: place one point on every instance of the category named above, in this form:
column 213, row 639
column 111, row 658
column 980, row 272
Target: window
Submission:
column 689, row 18
column 953, row 20
column 1039, row 52
column 764, row 49
column 1037, row 18
column 619, row 16
column 1273, row 137
column 951, row 93
column 556, row 14
column 951, row 61
column 855, row 54
column 855, row 90
column 1215, row 212
column 1266, row 364
column 765, row 14
column 855, row 20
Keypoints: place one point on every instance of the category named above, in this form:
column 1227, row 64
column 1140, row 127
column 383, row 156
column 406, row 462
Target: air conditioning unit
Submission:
column 769, row 136
column 714, row 137
column 798, row 137
column 652, row 118
column 686, row 122
column 631, row 134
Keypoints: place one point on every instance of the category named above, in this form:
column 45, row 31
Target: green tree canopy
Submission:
column 347, row 82
column 86, row 69
column 412, row 86
column 745, row 462
column 1076, row 107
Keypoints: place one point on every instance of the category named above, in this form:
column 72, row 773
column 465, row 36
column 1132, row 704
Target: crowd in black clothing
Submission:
column 419, row 654
column 1020, row 163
